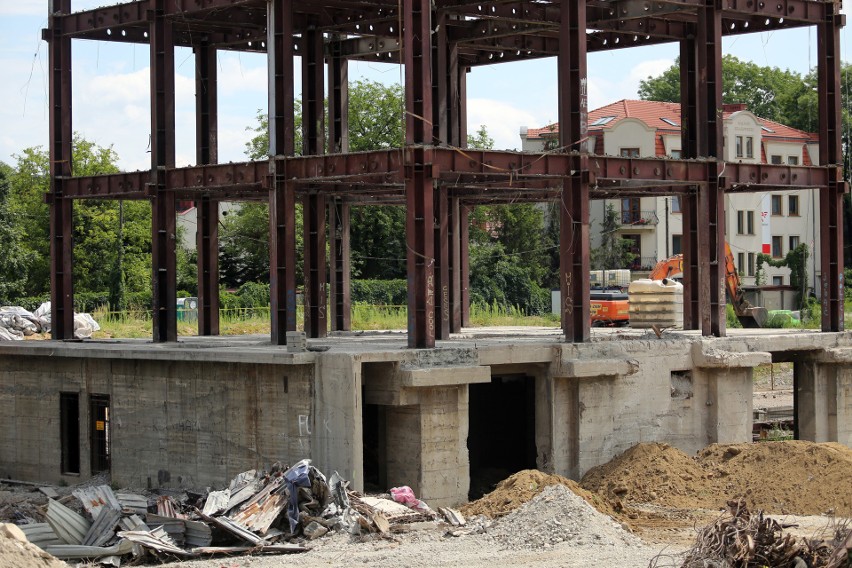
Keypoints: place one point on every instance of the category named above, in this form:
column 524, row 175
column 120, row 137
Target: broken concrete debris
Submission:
column 260, row 512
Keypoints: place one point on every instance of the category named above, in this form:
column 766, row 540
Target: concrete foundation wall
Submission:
column 193, row 416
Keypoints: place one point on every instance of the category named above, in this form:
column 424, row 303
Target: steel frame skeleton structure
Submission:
column 433, row 175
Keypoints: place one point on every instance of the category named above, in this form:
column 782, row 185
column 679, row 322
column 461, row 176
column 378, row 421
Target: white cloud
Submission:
column 242, row 73
column 503, row 121
column 606, row 87
column 23, row 8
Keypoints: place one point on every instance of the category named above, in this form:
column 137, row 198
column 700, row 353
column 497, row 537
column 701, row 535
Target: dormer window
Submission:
column 602, row 121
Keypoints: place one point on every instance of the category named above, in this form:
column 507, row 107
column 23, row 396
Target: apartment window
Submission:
column 740, row 222
column 777, row 280
column 793, row 160
column 676, row 204
column 750, row 222
column 677, row 244
column 794, row 241
column 776, row 207
column 630, row 152
column 749, row 147
column 777, row 247
column 751, row 264
column 69, row 432
column 793, row 205
column 741, row 262
column 739, row 146
column 776, row 160
column 676, row 154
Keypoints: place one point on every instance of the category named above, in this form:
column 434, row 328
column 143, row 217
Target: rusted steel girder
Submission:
column 207, row 209
column 711, row 207
column 419, row 174
column 831, row 157
column 282, row 194
column 338, row 211
column 692, row 128
column 61, row 207
column 574, row 204
column 163, row 229
column 313, row 205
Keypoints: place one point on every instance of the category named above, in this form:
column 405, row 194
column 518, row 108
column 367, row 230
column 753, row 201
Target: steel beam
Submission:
column 711, row 212
column 831, row 157
column 313, row 208
column 207, row 209
column 574, row 205
column 61, row 207
column 282, row 195
column 163, row 221
column 419, row 175
column 692, row 128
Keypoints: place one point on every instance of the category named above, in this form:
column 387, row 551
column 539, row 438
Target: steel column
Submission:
column 163, row 222
column 692, row 128
column 442, row 264
column 574, row 205
column 282, row 195
column 711, row 207
column 61, row 209
column 419, row 177
column 464, row 263
column 338, row 212
column 207, row 209
column 455, row 227
column 313, row 208
column 831, row 157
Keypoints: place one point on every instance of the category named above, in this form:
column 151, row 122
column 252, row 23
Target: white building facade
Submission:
column 773, row 223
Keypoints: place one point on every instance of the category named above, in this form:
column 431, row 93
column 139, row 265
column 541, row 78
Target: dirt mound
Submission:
column 522, row 487
column 17, row 552
column 792, row 477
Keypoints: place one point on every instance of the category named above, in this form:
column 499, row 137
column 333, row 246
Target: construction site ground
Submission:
column 644, row 506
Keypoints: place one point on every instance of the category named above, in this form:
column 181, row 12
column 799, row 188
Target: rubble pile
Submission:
column 16, row 323
column 741, row 538
column 279, row 511
column 558, row 515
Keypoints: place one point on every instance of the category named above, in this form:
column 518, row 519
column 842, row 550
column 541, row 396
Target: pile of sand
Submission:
column 17, row 552
column 522, row 487
column 793, row 477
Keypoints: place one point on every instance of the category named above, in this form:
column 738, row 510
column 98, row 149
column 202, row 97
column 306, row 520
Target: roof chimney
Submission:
column 734, row 107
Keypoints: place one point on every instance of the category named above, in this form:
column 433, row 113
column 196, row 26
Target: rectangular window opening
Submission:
column 739, row 146
column 751, row 264
column 777, row 247
column 750, row 219
column 749, row 147
column 69, row 432
column 776, row 206
column 793, row 205
column 740, row 222
column 775, row 159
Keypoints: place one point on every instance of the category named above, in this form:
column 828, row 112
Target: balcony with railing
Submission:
column 639, row 219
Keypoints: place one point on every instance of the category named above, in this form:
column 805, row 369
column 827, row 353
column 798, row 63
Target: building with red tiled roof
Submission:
column 771, row 223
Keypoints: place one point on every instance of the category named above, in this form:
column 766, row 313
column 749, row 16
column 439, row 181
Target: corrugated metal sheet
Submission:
column 95, row 498
column 156, row 539
column 133, row 502
column 176, row 528
column 198, row 534
column 68, row 525
column 103, row 529
column 40, row 534
column 243, row 487
column 260, row 511
column 236, row 529
column 68, row 551
column 133, row 523
column 217, row 501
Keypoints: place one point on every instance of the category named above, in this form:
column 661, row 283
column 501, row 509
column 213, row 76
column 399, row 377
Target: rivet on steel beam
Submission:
column 622, row 170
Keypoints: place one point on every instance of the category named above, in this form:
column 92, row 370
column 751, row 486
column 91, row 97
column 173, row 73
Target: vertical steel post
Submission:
column 464, row 263
column 163, row 222
column 61, row 209
column 207, row 210
column 313, row 208
column 461, row 281
column 455, row 243
column 282, row 194
column 419, row 176
column 831, row 157
column 441, row 208
column 711, row 205
column 574, row 204
column 338, row 211
column 692, row 128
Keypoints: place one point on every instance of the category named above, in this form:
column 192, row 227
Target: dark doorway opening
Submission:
column 99, row 428
column 501, row 435
column 69, row 431
column 375, row 472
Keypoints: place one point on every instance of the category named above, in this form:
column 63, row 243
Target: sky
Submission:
column 110, row 86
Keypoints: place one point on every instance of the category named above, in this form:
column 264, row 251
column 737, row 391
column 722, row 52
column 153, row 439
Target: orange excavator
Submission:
column 749, row 316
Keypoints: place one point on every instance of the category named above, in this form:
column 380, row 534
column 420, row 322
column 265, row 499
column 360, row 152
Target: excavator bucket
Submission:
column 754, row 317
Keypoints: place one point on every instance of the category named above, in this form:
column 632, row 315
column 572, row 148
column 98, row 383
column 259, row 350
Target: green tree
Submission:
column 13, row 260
column 768, row 92
column 96, row 226
column 614, row 251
